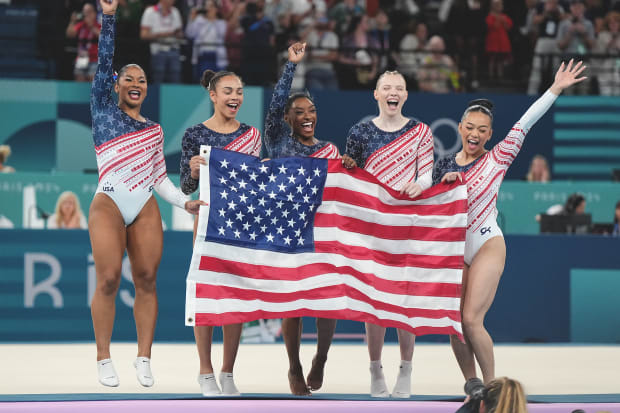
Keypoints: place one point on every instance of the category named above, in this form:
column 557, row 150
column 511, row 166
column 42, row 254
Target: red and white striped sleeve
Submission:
column 425, row 159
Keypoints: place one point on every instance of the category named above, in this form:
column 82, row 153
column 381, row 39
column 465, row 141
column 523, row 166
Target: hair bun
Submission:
column 205, row 80
column 481, row 102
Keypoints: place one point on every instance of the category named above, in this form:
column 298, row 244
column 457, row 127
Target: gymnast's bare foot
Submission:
column 315, row 377
column 297, row 383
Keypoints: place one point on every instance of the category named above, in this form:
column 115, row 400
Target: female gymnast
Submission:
column 399, row 152
column 222, row 130
column 123, row 214
column 485, row 250
column 289, row 131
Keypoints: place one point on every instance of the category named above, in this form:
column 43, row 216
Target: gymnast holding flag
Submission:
column 221, row 130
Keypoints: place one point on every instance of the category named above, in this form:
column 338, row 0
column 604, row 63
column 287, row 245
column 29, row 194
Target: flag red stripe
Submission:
column 346, row 196
column 335, row 166
column 220, row 292
column 385, row 258
column 206, row 319
column 311, row 270
column 387, row 231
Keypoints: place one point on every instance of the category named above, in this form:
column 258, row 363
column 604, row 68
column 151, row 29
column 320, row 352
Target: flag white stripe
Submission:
column 330, row 279
column 206, row 305
column 279, row 260
column 393, row 220
column 414, row 247
column 348, row 182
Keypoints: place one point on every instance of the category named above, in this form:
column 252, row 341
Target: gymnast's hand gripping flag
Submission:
column 297, row 237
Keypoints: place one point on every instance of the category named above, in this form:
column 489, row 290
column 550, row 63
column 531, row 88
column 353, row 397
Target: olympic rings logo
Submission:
column 445, row 137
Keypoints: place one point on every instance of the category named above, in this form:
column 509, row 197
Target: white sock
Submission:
column 402, row 388
column 228, row 385
column 208, row 385
column 107, row 374
column 378, row 388
column 143, row 371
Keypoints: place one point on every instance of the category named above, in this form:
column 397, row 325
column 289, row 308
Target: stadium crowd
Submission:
column 441, row 46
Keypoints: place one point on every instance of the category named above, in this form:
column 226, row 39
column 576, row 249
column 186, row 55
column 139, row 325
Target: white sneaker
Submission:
column 143, row 371
column 228, row 385
column 208, row 385
column 378, row 388
column 402, row 388
column 107, row 374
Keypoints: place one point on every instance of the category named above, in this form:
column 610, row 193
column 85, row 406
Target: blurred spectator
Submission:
column 608, row 43
column 596, row 12
column 380, row 33
column 528, row 28
column 576, row 39
column 208, row 33
column 412, row 53
column 128, row 16
column 575, row 204
column 438, row 72
column 234, row 36
column 616, row 231
column 539, row 170
column 359, row 60
column 85, row 28
column 303, row 13
column 258, row 57
column 5, row 152
column 498, row 47
column 322, row 45
column 546, row 21
column 342, row 13
column 400, row 13
column 68, row 214
column 464, row 24
column 283, row 28
column 161, row 24
column 129, row 48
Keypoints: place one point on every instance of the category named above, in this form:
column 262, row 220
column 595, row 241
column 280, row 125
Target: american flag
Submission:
column 297, row 237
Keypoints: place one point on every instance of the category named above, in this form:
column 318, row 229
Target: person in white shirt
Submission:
column 161, row 24
column 323, row 44
column 208, row 33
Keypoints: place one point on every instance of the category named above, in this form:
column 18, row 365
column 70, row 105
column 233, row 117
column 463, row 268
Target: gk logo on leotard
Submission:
column 151, row 188
column 484, row 230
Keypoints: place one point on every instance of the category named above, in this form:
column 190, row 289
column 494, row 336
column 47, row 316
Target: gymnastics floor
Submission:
column 62, row 378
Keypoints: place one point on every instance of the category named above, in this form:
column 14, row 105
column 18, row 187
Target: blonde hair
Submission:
column 5, row 152
column 546, row 176
column 504, row 395
column 76, row 212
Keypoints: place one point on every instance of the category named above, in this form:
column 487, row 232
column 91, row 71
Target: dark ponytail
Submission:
column 210, row 78
column 479, row 105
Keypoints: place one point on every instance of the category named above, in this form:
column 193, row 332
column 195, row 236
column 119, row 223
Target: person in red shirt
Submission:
column 497, row 44
column 86, row 30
